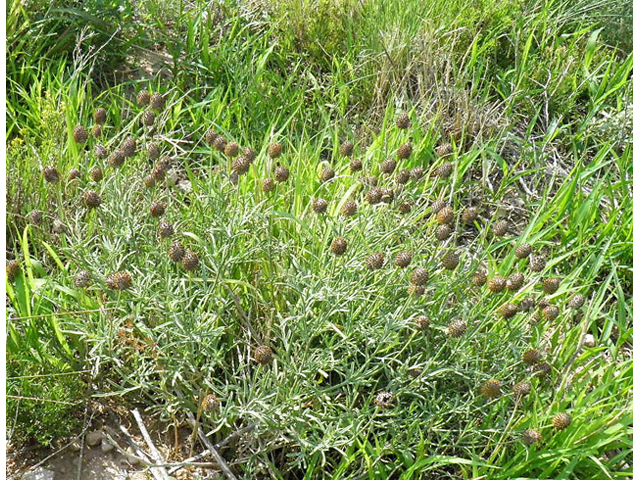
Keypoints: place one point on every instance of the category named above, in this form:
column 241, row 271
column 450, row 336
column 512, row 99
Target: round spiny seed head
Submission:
column 388, row 195
column 375, row 261
column 74, row 174
column 13, row 270
column 346, row 149
column 526, row 304
column 281, row 173
column 153, row 150
column 419, row 276
column 524, row 250
column 231, row 149
column 561, row 421
column 500, row 228
column 157, row 101
column 438, row 205
column 164, row 164
column 550, row 285
column 531, row 436
column 148, row 118
column 403, row 122
column 249, row 153
column 59, row 227
column 144, row 97
column 220, row 143
column 96, row 131
column 522, row 389
column 165, row 230
column 532, row 357
column 319, row 205
column 176, row 252
column 374, row 196
column 491, row 388
column 543, row 303
column 327, row 174
column 388, row 166
column 100, row 116
column 405, row 207
column 51, row 174
column 35, row 217
column 274, row 150
column 234, row 178
column 445, row 170
column 403, row 177
column 443, row 232
column 469, row 215
column 577, row 301
column 444, row 150
column 422, row 322
column 537, row 263
column 149, row 181
column 450, row 260
column 479, row 278
column 383, row 400
column 116, row 159
column 355, row 165
column 338, row 246
column 542, row 369
column 415, row 290
column 349, row 209
column 92, row 200
column 157, row 208
column 403, row 259
column 263, row 354
column 100, row 151
column 82, row 279
column 551, row 312
column 508, row 310
column 210, row 137
column 515, row 281
column 404, row 151
column 457, row 328
column 371, row 181
column 241, row 165
column 417, row 173
column 210, row 403
column 268, row 185
column 118, row 281
column 190, row 261
column 497, row 284
column 129, row 147
column 445, row 216
column 80, row 135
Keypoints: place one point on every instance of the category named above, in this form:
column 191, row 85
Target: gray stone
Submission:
column 39, row 474
column 106, row 445
column 94, row 438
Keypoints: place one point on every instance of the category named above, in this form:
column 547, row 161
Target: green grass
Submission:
column 526, row 93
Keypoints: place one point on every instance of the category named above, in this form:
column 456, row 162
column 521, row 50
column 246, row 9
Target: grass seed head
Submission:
column 445, row 216
column 143, row 98
column 443, row 232
column 444, row 150
column 263, row 355
column 281, row 173
column 116, row 159
column 417, row 173
column 375, row 261
column 522, row 389
column 157, row 208
column 190, row 261
column 210, row 403
column 469, row 215
column 100, row 116
column 92, row 200
column 515, row 281
column 404, row 151
column 457, row 328
column 537, row 263
column 241, row 165
column 388, row 166
column 561, row 421
column 355, row 165
column 419, row 276
column 450, row 260
column 338, row 246
column 497, row 284
column 51, row 174
column 82, row 279
column 220, row 143
column 479, row 278
column 176, row 252
column 499, row 229
column 327, row 174
column 96, row 131
column 210, row 137
column 532, row 357
column 350, row 208
column 576, row 301
column 319, row 205
column 387, row 195
column 74, row 174
column 542, row 369
column 119, row 281
column 36, row 217
column 249, row 153
column 374, row 196
column 523, row 250
column 491, row 389
column 80, row 135
column 231, row 149
column 274, row 150
column 403, row 177
column 405, row 207
column 129, row 147
column 508, row 310
column 551, row 312
column 100, row 151
column 157, row 101
column 346, row 149
column 165, row 230
column 422, row 322
column 531, row 436
column 415, row 290
column 526, row 304
column 268, row 185
column 149, row 181
column 153, row 151
column 402, row 259
column 403, row 122
column 13, row 270
column 550, row 285
column 148, row 118
column 383, row 400
column 445, row 170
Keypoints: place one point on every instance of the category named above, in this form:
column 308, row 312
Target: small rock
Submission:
column 106, row 445
column 39, row 474
column 589, row 341
column 75, row 446
column 94, row 438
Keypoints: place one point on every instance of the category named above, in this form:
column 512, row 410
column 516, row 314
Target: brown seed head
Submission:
column 153, row 150
column 100, row 116
column 469, row 215
column 346, row 149
column 116, row 159
column 479, row 278
column 457, row 328
column 92, row 200
column 526, row 304
column 404, row 151
column 403, row 177
column 157, row 101
column 524, row 250
column 402, row 259
column 80, row 135
column 275, row 150
column 532, row 357
column 241, row 165
column 531, row 436
column 165, row 230
column 445, row 170
column 281, row 173
column 263, row 354
column 415, row 290
column 383, row 400
column 210, row 137
column 350, row 208
column 143, row 98
column 74, row 174
column 374, row 196
column 500, row 228
column 249, row 153
column 445, row 216
column 338, row 246
column 375, row 261
column 13, row 270
column 148, row 118
column 100, row 151
column 403, row 122
column 522, row 389
column 444, row 150
column 577, row 301
column 443, row 232
column 388, row 195
column 405, row 207
column 36, row 217
column 355, row 165
column 96, row 131
column 157, row 208
column 561, row 421
column 82, row 279
column 268, row 185
column 537, row 263
column 508, row 310
column 497, row 284
column 176, row 252
column 119, row 281
column 319, row 205
column 327, row 174
column 190, row 261
column 51, row 174
column 419, row 276
column 550, row 285
column 515, row 281
column 417, row 173
column 551, row 312
column 210, row 403
column 231, row 149
column 491, row 388
column 450, row 260
column 220, row 143
column 422, row 322
column 388, row 166
column 129, row 147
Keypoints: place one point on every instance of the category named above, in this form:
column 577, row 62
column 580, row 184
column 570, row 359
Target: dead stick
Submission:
column 152, row 448
column 214, row 452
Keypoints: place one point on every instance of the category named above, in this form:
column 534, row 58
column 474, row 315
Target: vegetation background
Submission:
column 530, row 102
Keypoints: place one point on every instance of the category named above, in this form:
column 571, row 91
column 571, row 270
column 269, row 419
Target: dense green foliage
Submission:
column 530, row 103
